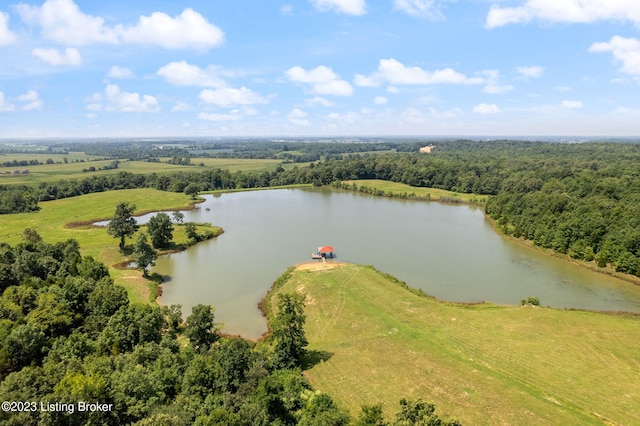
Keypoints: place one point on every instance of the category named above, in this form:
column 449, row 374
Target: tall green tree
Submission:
column 144, row 254
column 288, row 331
column 160, row 230
column 192, row 190
column 123, row 224
column 201, row 329
column 178, row 216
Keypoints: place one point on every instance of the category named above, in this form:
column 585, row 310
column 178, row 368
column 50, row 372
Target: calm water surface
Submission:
column 449, row 251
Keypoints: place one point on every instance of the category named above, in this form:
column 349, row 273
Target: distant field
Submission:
column 238, row 164
column 401, row 188
column 72, row 170
column 43, row 157
column 50, row 223
column 482, row 364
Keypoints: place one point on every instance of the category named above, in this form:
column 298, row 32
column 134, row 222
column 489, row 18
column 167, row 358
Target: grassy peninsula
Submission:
column 60, row 220
column 373, row 340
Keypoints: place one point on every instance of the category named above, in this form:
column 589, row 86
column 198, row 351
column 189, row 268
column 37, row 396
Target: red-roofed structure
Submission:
column 323, row 252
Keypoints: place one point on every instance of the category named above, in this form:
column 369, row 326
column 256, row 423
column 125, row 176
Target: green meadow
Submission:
column 398, row 189
column 51, row 173
column 372, row 340
column 53, row 219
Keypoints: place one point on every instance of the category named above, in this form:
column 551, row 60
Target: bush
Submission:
column 530, row 301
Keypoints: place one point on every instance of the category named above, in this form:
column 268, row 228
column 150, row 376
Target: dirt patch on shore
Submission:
column 318, row 266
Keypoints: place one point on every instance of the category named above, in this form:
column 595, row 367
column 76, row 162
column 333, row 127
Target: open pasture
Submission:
column 398, row 189
column 373, row 341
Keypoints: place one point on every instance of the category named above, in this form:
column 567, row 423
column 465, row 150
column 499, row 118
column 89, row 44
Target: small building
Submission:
column 427, row 149
column 323, row 253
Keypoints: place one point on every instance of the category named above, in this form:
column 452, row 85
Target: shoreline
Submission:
column 90, row 223
column 591, row 266
column 265, row 309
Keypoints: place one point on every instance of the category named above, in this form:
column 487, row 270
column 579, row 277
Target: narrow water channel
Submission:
column 449, row 251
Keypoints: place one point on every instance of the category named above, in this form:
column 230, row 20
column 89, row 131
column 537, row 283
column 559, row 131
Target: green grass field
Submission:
column 42, row 157
column 482, row 364
column 72, row 170
column 51, row 221
column 434, row 193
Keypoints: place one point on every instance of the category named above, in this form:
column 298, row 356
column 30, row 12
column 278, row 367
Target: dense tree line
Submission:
column 17, row 199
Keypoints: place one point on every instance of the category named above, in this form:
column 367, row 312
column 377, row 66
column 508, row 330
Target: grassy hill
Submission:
column 373, row 340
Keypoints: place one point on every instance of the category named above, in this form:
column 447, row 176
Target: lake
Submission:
column 449, row 251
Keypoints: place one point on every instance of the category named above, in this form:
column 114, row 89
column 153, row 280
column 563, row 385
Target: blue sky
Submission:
column 79, row 68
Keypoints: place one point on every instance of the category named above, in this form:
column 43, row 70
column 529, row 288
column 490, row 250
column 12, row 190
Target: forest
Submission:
column 582, row 200
column 75, row 351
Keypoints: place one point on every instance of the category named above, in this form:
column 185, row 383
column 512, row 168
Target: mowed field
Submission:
column 74, row 170
column 373, row 341
column 54, row 216
column 434, row 193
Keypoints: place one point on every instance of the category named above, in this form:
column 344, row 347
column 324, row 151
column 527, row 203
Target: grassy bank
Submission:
column 373, row 341
column 395, row 189
column 51, row 222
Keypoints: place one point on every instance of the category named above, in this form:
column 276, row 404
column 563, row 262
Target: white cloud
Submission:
column 323, row 80
column 114, row 100
column 317, row 100
column 181, row 106
column 346, row 119
column 571, row 11
column 6, row 36
column 4, row 106
column 70, row 56
column 450, row 113
column 486, row 109
column 63, row 21
column 228, row 96
column 120, row 72
column 397, row 73
column 298, row 117
column 492, row 83
column 367, row 81
column 234, row 115
column 184, row 74
column 572, row 104
column 189, row 30
column 287, row 9
column 393, row 89
column 423, row 8
column 349, row 7
column 380, row 100
column 31, row 101
column 530, row 72
column 413, row 115
column 625, row 51
column 497, row 89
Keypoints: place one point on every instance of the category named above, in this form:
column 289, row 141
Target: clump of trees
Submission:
column 531, row 300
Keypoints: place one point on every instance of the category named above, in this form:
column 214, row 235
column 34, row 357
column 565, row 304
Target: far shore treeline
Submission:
column 582, row 200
